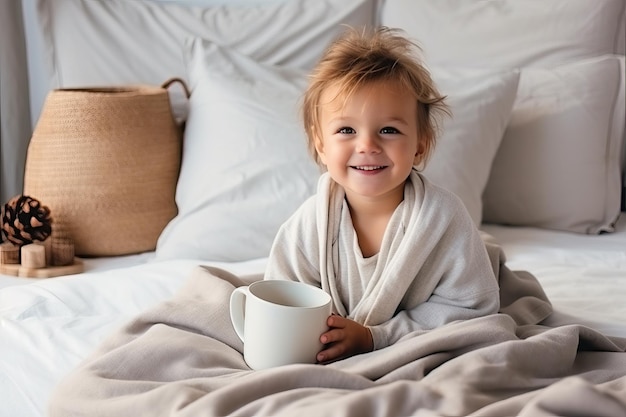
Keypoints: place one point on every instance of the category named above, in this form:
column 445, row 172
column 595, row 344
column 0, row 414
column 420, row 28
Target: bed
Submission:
column 535, row 150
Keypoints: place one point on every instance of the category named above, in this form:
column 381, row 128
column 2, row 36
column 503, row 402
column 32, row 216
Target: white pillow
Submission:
column 88, row 42
column 245, row 166
column 509, row 33
column 499, row 34
column 481, row 104
column 558, row 166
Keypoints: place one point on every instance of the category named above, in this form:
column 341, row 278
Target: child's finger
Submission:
column 333, row 352
column 335, row 321
column 332, row 336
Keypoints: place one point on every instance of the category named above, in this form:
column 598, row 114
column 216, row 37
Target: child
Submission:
column 395, row 252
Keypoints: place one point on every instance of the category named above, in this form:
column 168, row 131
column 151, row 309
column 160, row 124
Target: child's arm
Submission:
column 290, row 257
column 346, row 337
column 435, row 312
column 457, row 282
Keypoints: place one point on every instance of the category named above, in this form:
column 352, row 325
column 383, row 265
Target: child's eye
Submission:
column 346, row 131
column 389, row 130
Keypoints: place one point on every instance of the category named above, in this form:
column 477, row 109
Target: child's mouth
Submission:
column 368, row 168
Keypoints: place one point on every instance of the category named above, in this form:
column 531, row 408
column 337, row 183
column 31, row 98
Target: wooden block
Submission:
column 9, row 253
column 10, row 269
column 49, row 272
column 33, row 256
column 48, row 245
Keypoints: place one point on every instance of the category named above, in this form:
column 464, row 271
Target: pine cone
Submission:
column 25, row 220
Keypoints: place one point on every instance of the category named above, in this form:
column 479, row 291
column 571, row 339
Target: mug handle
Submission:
column 237, row 309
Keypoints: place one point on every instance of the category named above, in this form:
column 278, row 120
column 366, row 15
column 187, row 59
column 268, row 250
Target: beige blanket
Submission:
column 183, row 358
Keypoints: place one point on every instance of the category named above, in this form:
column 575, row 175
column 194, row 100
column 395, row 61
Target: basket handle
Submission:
column 169, row 82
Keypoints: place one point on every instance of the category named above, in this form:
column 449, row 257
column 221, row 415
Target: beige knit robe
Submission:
column 432, row 269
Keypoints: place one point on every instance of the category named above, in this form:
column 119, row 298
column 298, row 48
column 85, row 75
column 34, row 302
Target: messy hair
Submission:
column 360, row 58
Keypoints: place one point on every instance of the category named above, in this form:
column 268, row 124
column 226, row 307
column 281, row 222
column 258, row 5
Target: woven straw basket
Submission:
column 106, row 161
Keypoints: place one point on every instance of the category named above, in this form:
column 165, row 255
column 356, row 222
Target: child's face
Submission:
column 369, row 142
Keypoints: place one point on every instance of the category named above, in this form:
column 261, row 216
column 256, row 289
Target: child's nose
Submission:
column 368, row 143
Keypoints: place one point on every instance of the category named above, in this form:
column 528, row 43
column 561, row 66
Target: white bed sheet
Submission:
column 91, row 265
column 48, row 325
column 584, row 276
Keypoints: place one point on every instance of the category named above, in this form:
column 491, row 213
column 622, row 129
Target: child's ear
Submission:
column 419, row 153
column 319, row 145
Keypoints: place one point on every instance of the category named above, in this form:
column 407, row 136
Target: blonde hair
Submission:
column 359, row 58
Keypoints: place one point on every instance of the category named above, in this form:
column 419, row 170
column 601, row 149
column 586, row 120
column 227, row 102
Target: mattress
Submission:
column 48, row 325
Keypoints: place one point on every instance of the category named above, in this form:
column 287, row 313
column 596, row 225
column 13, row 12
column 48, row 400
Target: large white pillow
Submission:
column 104, row 42
column 246, row 167
column 481, row 104
column 497, row 34
column 121, row 41
column 558, row 166
column 510, row 33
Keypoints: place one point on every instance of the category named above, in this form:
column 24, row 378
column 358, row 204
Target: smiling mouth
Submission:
column 368, row 167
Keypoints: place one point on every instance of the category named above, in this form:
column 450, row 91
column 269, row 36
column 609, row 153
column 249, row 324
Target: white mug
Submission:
column 279, row 322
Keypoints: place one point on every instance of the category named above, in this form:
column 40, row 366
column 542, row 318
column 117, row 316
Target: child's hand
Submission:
column 345, row 338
